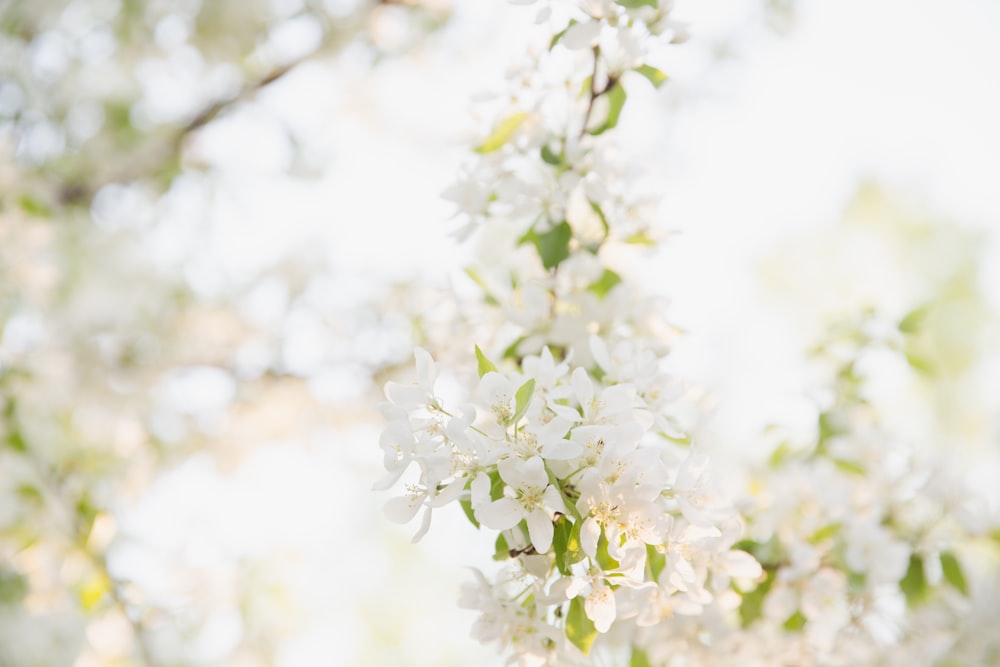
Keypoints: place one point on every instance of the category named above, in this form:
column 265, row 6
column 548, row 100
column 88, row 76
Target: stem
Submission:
column 594, row 93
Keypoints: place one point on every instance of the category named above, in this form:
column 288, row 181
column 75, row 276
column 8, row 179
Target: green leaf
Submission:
column 16, row 441
column 795, row 622
column 13, row 587
column 553, row 245
column 752, row 606
column 485, row 365
column 605, row 283
column 824, row 533
column 639, row 659
column 604, row 559
column 635, row 4
column 551, row 157
column 503, row 132
column 511, row 351
column 918, row 363
column 857, row 582
column 501, row 551
column 600, row 214
column 93, row 589
column 655, row 560
column 849, row 466
column 779, row 455
column 952, row 571
column 35, row 207
column 616, row 101
column 478, row 279
column 559, row 35
column 566, row 544
column 469, row 513
column 640, row 238
column 914, row 319
column 522, row 399
column 570, row 504
column 579, row 628
column 496, row 485
column 914, row 583
column 657, row 77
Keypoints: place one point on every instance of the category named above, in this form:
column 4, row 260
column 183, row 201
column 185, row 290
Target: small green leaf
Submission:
column 522, row 399
column 503, row 132
column 13, row 587
column 616, row 101
column 92, row 590
column 824, row 533
column 469, row 513
column 511, row 351
column 779, row 455
column 657, row 77
column 485, row 365
column 914, row 583
column 655, row 560
column 639, row 659
column 952, row 571
column 496, row 485
column 795, row 622
column 35, row 207
column 600, row 214
column 551, row 157
column 849, row 466
column 566, row 544
column 553, row 245
column 604, row 559
column 605, row 283
column 501, row 551
column 569, row 502
column 478, row 279
column 559, row 35
column 579, row 628
column 16, row 441
column 914, row 319
column 640, row 238
column 752, row 606
column 918, row 363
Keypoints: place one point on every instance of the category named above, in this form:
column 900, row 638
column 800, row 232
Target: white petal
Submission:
column 553, row 499
column 496, row 389
column 564, row 411
column 599, row 349
column 480, row 489
column 402, row 509
column 561, row 450
column 500, row 514
column 405, row 395
column 600, row 607
column 518, row 473
column 583, row 388
column 740, row 564
column 540, row 530
column 426, row 372
column 424, row 525
column 590, row 534
column 391, row 478
column 448, row 493
column 581, row 35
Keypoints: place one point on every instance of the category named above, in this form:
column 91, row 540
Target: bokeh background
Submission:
column 221, row 232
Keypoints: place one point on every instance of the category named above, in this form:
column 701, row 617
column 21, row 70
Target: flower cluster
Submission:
column 569, row 445
column 599, row 522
